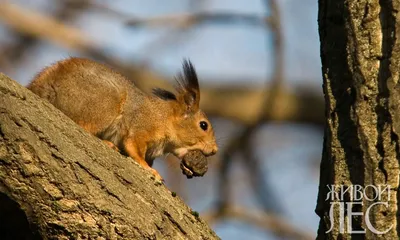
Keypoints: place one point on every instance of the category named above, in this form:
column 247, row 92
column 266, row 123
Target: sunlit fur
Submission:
column 187, row 134
column 111, row 107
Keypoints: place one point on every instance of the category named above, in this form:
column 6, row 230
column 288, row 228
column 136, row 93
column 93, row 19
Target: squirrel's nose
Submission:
column 214, row 150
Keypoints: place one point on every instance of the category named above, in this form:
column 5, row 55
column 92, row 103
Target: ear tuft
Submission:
column 164, row 94
column 188, row 86
column 189, row 79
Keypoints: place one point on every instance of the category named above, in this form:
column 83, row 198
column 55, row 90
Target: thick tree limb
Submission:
column 69, row 184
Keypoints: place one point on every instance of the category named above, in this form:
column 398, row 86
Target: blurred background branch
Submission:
column 244, row 103
column 190, row 19
column 270, row 222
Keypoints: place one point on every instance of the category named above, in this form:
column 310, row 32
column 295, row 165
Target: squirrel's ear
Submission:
column 164, row 94
column 188, row 87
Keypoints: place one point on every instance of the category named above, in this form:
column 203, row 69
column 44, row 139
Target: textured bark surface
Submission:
column 360, row 63
column 59, row 182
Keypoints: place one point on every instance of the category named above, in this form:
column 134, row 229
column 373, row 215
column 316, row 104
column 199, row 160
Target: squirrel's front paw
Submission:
column 157, row 176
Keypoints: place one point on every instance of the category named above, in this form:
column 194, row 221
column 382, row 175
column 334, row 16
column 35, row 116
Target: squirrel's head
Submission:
column 190, row 128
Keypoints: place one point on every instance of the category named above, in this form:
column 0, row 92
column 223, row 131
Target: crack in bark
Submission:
column 88, row 171
column 174, row 222
column 108, row 191
column 122, row 179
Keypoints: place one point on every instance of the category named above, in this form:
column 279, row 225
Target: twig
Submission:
column 270, row 222
column 185, row 19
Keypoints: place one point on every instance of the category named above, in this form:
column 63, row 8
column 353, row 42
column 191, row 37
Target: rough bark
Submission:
column 360, row 55
column 59, row 182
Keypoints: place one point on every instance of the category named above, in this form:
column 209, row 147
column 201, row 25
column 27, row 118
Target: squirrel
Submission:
column 139, row 125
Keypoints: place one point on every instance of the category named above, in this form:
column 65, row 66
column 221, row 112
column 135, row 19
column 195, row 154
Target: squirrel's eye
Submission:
column 204, row 125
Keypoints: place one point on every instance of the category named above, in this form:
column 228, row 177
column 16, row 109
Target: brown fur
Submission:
column 111, row 107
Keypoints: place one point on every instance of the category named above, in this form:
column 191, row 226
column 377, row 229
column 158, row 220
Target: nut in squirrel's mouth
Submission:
column 194, row 164
column 186, row 170
column 180, row 154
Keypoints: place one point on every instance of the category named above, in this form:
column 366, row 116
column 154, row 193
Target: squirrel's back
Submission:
column 90, row 93
column 78, row 72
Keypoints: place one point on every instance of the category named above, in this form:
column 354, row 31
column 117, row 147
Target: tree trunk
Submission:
column 359, row 179
column 59, row 182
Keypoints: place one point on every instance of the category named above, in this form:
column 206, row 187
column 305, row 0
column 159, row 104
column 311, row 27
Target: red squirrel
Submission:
column 109, row 106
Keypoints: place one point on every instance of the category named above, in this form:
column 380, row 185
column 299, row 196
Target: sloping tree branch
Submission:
column 59, row 182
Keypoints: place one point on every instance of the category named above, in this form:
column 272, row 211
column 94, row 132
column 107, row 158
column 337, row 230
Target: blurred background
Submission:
column 259, row 69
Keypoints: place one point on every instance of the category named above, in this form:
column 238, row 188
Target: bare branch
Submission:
column 273, row 223
column 185, row 19
column 42, row 27
column 15, row 51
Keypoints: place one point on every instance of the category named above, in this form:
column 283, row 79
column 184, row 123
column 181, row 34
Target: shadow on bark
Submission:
column 14, row 224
